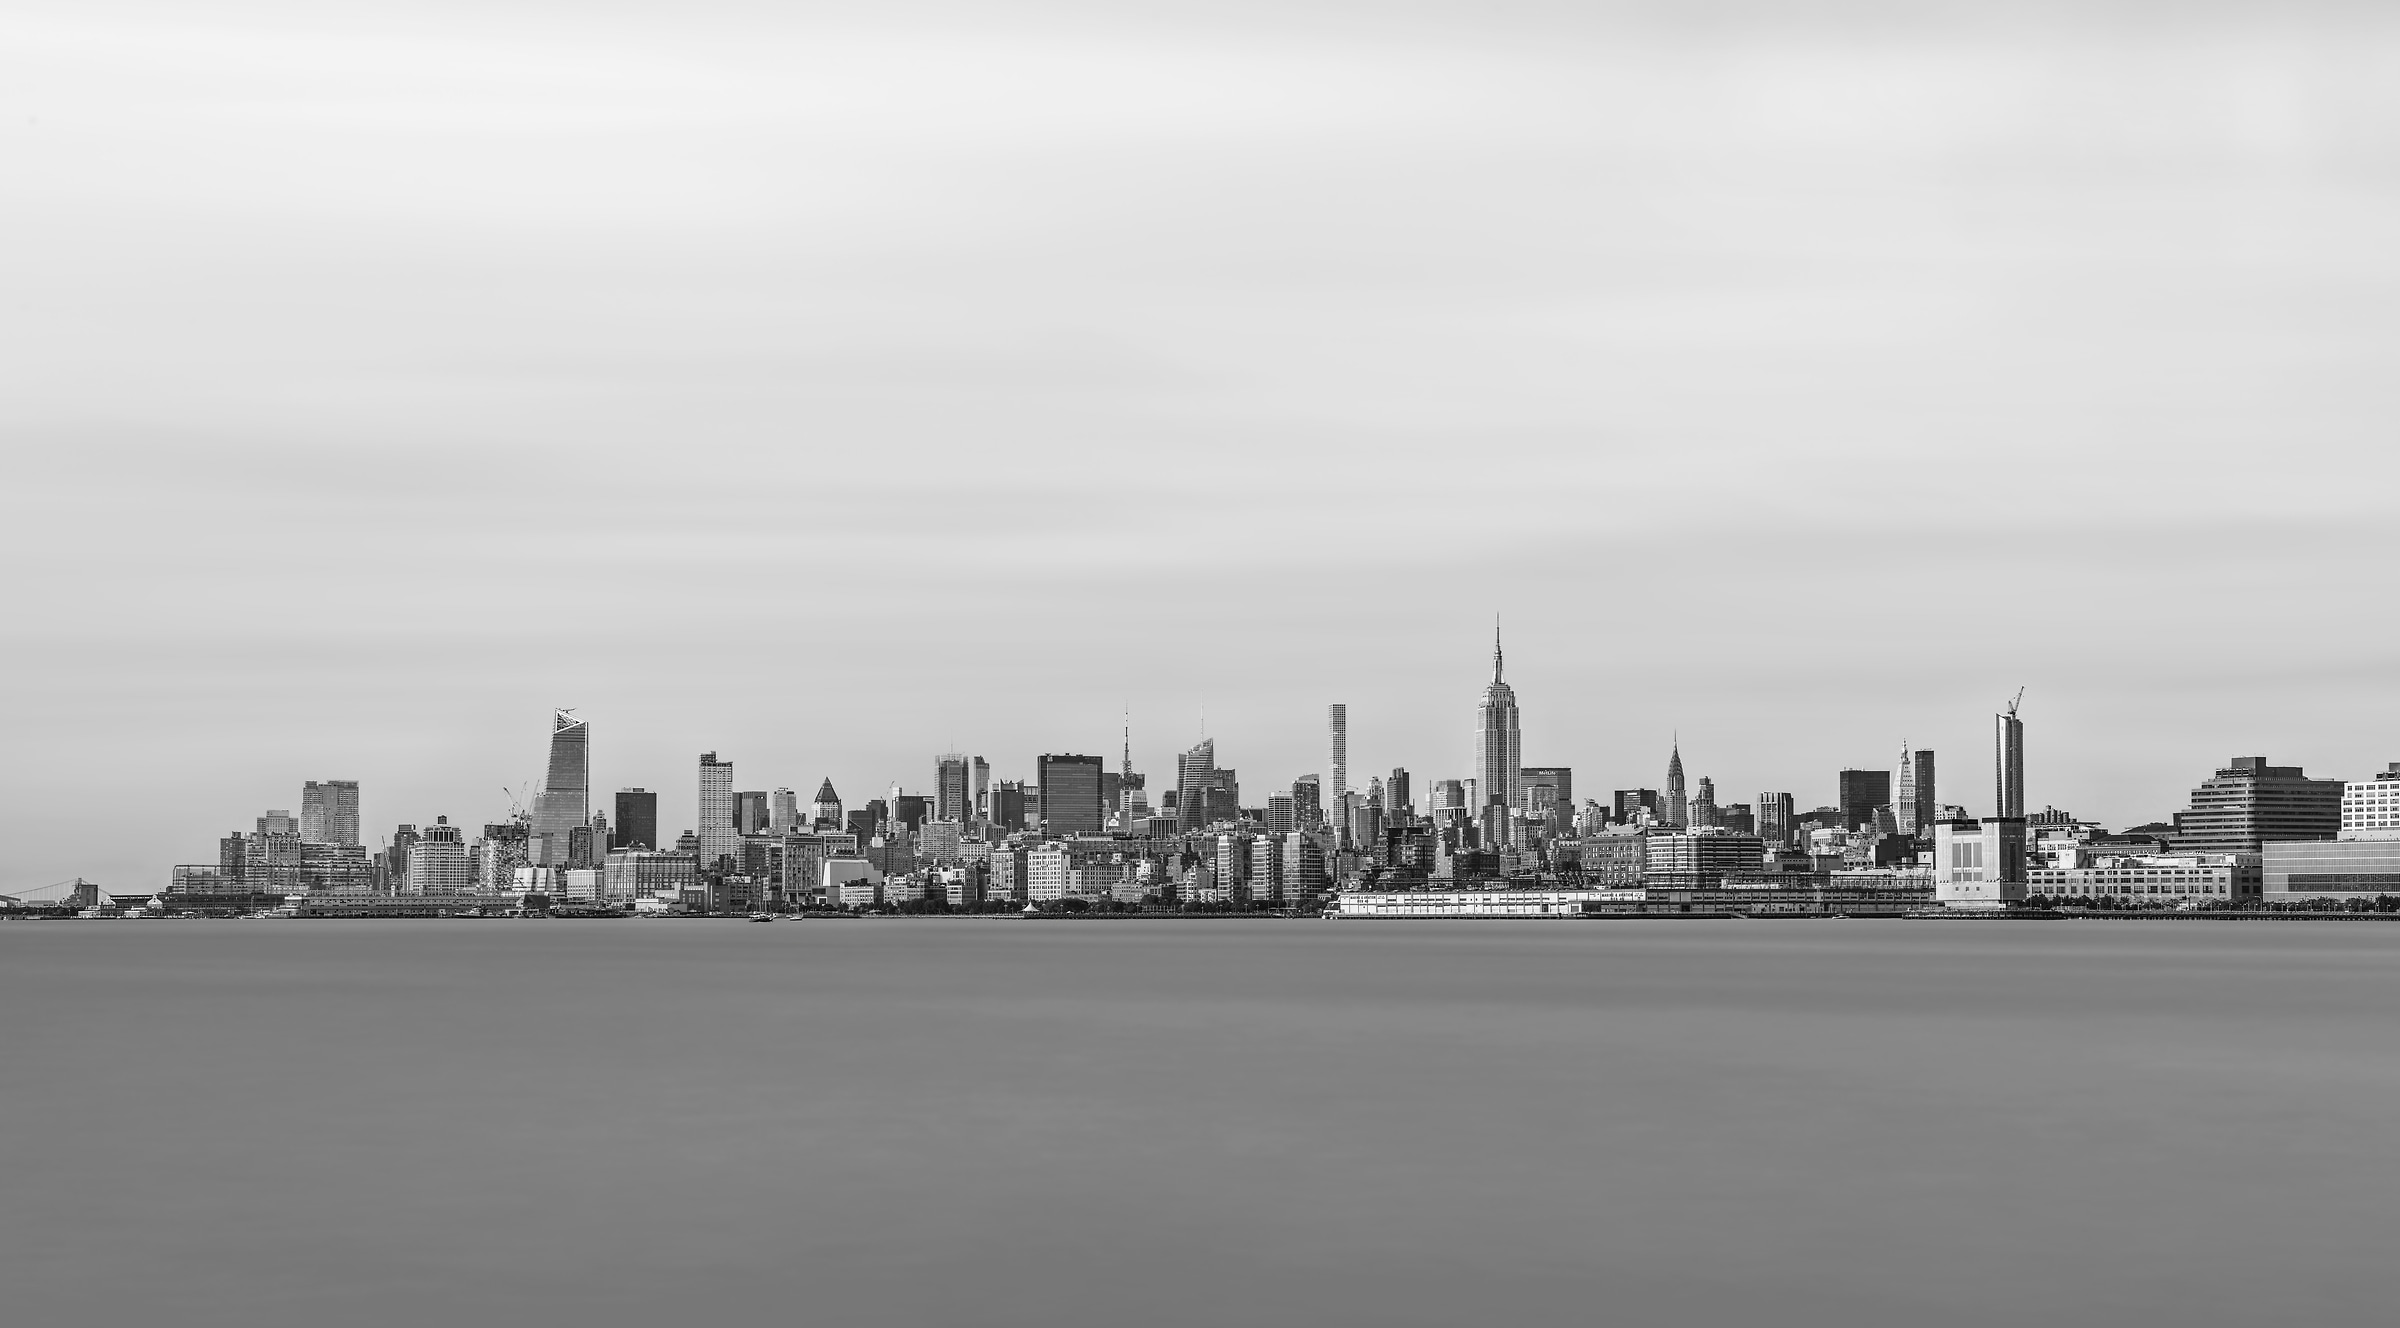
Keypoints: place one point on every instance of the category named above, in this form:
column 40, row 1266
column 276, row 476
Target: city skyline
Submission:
column 677, row 799
column 478, row 384
column 1025, row 497
column 953, row 783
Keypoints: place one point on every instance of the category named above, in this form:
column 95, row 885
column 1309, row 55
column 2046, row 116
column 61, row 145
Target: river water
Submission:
column 1002, row 1122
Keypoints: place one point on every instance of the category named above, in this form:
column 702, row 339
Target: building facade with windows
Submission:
column 2151, row 880
column 1070, row 786
column 1979, row 864
column 2248, row 803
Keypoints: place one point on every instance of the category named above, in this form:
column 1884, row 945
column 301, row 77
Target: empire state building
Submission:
column 1499, row 749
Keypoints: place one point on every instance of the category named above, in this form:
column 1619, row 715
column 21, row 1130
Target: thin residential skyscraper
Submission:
column 1337, row 724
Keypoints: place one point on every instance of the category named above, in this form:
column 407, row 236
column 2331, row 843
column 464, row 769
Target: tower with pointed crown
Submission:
column 1499, row 745
column 1678, row 808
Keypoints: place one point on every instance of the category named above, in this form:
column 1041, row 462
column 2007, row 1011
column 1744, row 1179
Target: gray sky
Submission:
column 834, row 386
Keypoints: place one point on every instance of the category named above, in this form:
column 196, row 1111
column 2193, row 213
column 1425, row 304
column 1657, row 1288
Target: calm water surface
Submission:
column 1002, row 1122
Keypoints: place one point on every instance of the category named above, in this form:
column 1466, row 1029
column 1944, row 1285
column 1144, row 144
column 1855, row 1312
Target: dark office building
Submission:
column 636, row 823
column 750, row 812
column 2250, row 802
column 1862, row 791
column 1008, row 804
column 1628, row 801
column 911, row 809
column 1559, row 777
column 1070, row 793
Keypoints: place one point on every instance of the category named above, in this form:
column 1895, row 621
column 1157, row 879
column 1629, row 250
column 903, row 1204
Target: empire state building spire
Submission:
column 1499, row 753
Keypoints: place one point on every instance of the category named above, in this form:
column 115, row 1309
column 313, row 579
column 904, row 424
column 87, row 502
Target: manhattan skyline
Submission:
column 777, row 384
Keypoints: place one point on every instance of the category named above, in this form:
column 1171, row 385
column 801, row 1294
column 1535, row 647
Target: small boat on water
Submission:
column 762, row 917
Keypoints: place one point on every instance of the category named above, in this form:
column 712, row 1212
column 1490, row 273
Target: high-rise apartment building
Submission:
column 983, row 788
column 750, row 811
column 1308, row 800
column 437, row 863
column 1008, row 804
column 1070, row 793
column 1231, row 859
column 1499, row 743
column 1775, row 822
column 1862, row 791
column 717, row 835
column 2008, row 762
column 783, row 812
column 636, row 823
column 1398, row 799
column 1702, row 810
column 565, row 800
column 1281, row 815
column 1265, row 870
column 502, row 852
column 953, row 786
column 1677, row 811
column 395, row 856
column 1303, row 868
column 2250, row 802
column 1914, row 807
column 1337, row 725
column 329, row 811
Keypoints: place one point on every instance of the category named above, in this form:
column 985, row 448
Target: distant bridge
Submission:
column 57, row 892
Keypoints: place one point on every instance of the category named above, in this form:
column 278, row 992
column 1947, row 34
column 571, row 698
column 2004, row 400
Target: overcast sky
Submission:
column 834, row 386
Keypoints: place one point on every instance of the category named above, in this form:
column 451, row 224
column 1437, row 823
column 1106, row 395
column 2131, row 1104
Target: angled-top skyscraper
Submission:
column 1499, row 746
column 565, row 800
column 2008, row 762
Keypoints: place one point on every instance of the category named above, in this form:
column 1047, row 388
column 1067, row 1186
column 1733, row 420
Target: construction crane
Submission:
column 2012, row 705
